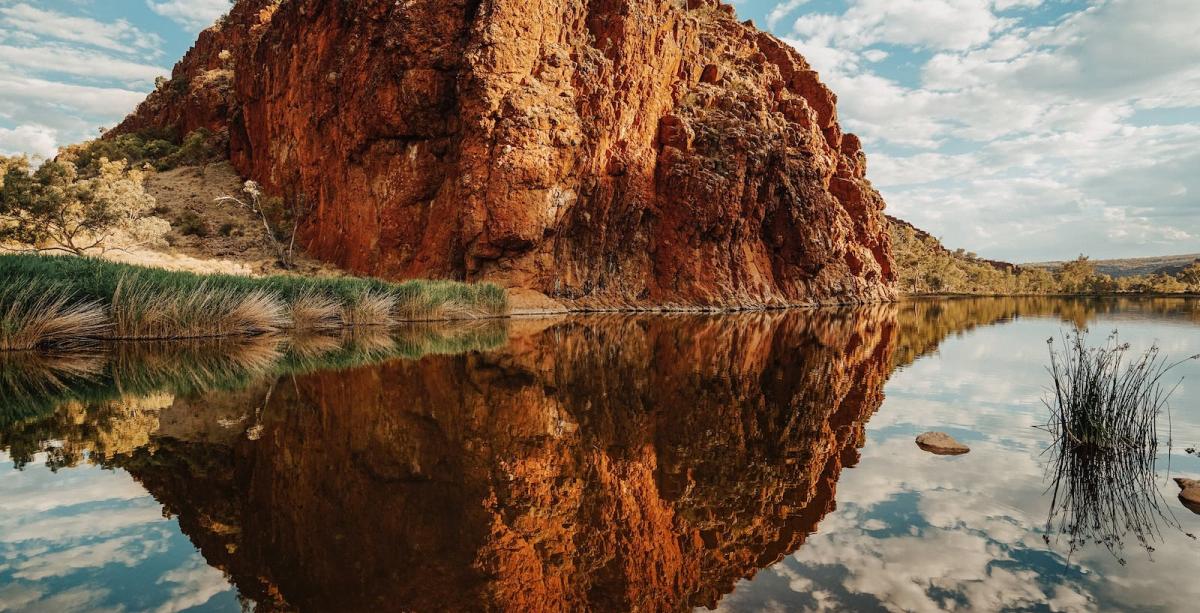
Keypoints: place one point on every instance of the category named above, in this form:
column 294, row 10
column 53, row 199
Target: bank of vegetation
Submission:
column 926, row 267
column 58, row 302
column 91, row 199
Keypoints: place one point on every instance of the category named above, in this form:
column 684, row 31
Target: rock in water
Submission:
column 607, row 153
column 1189, row 493
column 941, row 444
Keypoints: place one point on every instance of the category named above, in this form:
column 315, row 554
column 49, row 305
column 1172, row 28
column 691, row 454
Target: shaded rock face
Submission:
column 597, row 464
column 607, row 153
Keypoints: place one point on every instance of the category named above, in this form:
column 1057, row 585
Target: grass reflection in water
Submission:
column 34, row 384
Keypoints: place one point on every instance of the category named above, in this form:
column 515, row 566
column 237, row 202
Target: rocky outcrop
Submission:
column 606, row 153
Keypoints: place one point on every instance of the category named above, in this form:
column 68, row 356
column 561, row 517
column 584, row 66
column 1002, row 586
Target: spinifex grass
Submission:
column 49, row 302
column 1104, row 411
column 31, row 317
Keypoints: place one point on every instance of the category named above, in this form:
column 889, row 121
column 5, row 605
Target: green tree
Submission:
column 54, row 209
column 1075, row 276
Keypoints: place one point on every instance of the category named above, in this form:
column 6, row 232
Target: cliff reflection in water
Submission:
column 604, row 463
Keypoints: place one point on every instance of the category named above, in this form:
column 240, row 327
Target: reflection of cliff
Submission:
column 624, row 463
column 610, row 463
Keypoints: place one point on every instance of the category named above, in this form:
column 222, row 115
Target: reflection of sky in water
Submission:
column 92, row 539
column 915, row 531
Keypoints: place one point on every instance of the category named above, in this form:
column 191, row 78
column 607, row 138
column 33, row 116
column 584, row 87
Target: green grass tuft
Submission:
column 49, row 301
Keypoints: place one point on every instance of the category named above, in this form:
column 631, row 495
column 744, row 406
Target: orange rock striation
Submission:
column 606, row 153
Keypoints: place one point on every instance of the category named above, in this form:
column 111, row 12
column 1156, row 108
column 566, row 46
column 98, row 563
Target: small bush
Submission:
column 191, row 224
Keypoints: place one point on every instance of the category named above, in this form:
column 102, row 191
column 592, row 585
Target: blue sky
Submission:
column 1019, row 129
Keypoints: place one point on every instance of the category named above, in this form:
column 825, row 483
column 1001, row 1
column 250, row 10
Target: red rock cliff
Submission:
column 604, row 152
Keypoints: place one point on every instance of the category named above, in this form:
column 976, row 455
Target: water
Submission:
column 747, row 462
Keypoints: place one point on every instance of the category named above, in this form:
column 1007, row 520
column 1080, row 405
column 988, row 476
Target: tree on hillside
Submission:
column 1191, row 277
column 54, row 209
column 1076, row 276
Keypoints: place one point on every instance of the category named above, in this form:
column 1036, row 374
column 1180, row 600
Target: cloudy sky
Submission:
column 1019, row 129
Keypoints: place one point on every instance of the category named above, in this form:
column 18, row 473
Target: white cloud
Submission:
column 118, row 35
column 79, row 63
column 781, row 10
column 31, row 139
column 936, row 24
column 194, row 15
column 1009, row 130
column 29, row 97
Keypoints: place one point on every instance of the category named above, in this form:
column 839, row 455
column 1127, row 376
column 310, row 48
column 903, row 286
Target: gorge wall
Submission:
column 606, row 153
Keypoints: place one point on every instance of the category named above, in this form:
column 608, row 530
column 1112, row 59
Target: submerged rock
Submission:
column 941, row 444
column 1189, row 493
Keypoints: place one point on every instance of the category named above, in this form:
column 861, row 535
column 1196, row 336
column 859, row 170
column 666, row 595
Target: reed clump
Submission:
column 1104, row 417
column 1105, row 400
column 31, row 318
column 56, row 301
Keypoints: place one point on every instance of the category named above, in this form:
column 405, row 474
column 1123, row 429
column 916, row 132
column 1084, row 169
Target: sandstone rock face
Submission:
column 607, row 153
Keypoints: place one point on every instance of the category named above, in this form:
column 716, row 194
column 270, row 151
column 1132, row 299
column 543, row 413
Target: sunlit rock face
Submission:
column 606, row 153
column 601, row 464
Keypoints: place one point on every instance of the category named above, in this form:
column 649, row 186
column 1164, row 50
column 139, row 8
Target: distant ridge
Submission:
column 1130, row 267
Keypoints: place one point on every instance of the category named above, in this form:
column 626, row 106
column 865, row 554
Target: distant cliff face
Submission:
column 607, row 153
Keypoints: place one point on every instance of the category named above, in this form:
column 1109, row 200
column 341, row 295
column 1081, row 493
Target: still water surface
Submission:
column 742, row 462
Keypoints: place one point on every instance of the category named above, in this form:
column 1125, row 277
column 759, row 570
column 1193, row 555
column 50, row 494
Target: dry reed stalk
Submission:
column 144, row 313
column 312, row 311
column 370, row 309
column 33, row 319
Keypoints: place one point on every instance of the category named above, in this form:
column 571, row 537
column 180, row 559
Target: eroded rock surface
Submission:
column 606, row 153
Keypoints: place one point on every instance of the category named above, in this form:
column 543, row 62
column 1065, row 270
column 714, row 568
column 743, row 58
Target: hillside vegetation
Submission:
column 1170, row 265
column 926, row 267
column 59, row 302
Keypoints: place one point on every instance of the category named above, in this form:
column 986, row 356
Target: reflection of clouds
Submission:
column 65, row 536
column 914, row 531
column 18, row 596
column 905, row 571
column 127, row 550
column 192, row 584
column 37, row 489
column 79, row 598
column 87, row 522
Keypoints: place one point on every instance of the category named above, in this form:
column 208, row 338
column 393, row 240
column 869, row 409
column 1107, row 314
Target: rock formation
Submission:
column 606, row 153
